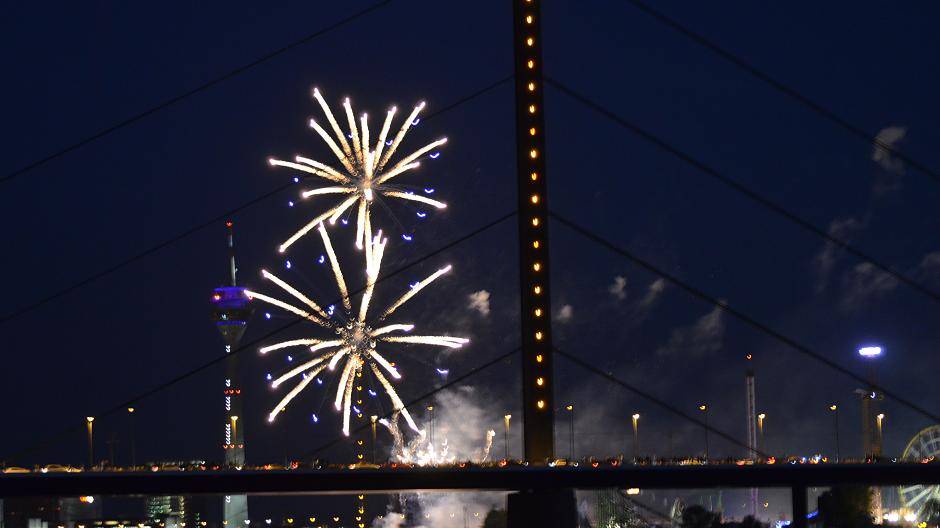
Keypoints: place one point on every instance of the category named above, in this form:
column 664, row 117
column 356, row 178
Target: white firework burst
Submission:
column 365, row 173
column 354, row 345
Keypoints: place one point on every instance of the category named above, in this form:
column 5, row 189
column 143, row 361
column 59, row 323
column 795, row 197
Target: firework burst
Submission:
column 365, row 173
column 357, row 337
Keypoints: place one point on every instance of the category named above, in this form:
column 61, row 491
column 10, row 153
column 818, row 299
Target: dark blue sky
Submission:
column 84, row 68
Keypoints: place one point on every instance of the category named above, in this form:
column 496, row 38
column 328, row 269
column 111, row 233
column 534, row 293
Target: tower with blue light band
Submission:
column 231, row 310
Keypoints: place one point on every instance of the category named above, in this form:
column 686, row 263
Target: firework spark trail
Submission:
column 399, row 170
column 397, row 404
column 302, row 368
column 414, row 198
column 380, row 144
column 348, row 394
column 489, row 445
column 393, row 372
column 292, row 342
column 329, row 115
column 363, row 174
column 293, row 392
column 328, row 190
column 408, row 159
column 336, row 358
column 355, row 339
column 331, row 173
column 325, row 344
column 297, row 295
column 401, row 134
column 373, row 262
column 357, row 148
column 313, row 223
column 392, row 328
column 334, row 263
column 343, row 381
column 288, row 307
column 341, row 208
column 445, row 341
column 398, row 442
column 414, row 291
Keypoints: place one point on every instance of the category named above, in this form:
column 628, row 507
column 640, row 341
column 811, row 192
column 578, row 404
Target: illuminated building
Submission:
column 173, row 512
column 230, row 312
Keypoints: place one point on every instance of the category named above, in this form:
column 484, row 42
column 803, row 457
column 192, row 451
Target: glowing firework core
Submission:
column 357, row 337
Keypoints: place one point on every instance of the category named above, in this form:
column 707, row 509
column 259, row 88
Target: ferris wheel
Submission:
column 924, row 446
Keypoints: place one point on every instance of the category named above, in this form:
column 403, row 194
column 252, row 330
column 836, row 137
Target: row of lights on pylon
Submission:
column 535, row 201
column 360, row 446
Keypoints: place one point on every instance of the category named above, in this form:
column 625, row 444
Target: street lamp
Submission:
column 431, row 426
column 130, row 415
column 760, row 430
column 636, row 437
column 570, row 409
column 704, row 409
column 89, row 422
column 506, row 419
column 879, row 420
column 835, row 423
column 373, row 419
column 234, row 420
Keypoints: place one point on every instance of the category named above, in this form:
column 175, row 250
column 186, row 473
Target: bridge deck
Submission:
column 451, row 479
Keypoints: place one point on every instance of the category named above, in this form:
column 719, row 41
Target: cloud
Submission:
column 480, row 301
column 653, row 291
column 825, row 261
column 704, row 336
column 864, row 284
column 564, row 313
column 619, row 288
column 890, row 137
column 929, row 268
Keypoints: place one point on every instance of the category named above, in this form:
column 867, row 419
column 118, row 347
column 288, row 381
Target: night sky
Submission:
column 73, row 70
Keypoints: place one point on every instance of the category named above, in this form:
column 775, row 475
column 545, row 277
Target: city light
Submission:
column 870, row 351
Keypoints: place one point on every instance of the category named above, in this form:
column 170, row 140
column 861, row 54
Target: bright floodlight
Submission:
column 870, row 351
